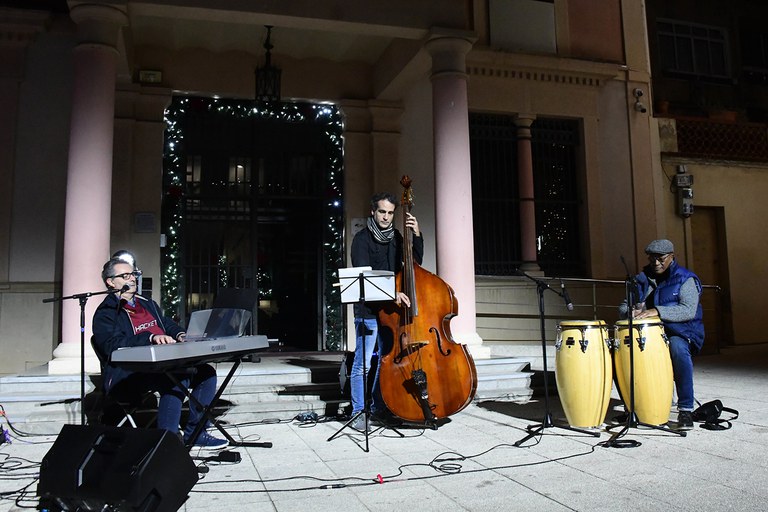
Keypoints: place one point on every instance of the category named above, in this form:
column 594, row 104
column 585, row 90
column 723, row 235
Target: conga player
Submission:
column 672, row 293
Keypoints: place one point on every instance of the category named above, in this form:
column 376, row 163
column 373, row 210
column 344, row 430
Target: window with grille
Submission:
column 691, row 49
column 495, row 195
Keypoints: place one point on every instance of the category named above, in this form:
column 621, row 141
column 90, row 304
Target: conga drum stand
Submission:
column 630, row 284
column 538, row 428
column 373, row 286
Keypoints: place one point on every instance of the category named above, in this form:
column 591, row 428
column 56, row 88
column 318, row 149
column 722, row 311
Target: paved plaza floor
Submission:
column 471, row 462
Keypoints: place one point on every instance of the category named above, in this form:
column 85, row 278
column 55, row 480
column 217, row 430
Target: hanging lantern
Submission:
column 268, row 76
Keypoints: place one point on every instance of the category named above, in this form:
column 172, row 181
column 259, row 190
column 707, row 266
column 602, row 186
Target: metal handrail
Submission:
column 594, row 285
column 597, row 299
column 595, row 282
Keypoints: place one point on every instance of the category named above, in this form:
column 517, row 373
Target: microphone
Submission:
column 125, row 288
column 566, row 297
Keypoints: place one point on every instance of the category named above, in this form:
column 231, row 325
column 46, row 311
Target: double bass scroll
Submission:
column 424, row 374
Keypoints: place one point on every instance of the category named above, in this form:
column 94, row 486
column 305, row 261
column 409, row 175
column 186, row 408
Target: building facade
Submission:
column 563, row 90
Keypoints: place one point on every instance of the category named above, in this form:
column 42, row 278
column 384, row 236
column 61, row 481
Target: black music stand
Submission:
column 630, row 287
column 240, row 298
column 547, row 422
column 82, row 299
column 372, row 286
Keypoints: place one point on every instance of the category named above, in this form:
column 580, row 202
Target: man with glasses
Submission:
column 672, row 293
column 126, row 319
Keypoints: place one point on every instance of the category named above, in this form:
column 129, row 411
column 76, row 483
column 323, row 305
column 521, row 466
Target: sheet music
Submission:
column 378, row 285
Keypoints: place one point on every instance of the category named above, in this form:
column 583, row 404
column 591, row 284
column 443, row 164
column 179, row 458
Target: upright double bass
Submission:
column 424, row 374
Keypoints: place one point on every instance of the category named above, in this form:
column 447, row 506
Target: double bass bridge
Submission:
column 409, row 346
column 415, row 344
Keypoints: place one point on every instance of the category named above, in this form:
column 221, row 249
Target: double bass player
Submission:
column 379, row 246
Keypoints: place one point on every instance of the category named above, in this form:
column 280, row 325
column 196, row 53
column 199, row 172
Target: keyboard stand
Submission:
column 207, row 414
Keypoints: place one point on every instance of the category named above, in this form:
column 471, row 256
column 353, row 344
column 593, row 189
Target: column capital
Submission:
column 449, row 49
column 385, row 117
column 523, row 123
column 524, row 120
column 99, row 22
column 371, row 116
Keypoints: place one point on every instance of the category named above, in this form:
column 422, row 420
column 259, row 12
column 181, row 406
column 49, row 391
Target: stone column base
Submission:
column 66, row 360
column 474, row 344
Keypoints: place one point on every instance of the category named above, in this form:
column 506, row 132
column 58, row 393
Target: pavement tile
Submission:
column 470, row 462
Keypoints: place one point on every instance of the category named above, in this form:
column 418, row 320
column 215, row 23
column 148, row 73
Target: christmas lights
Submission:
column 329, row 119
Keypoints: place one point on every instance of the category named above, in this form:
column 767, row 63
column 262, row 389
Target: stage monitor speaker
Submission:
column 93, row 467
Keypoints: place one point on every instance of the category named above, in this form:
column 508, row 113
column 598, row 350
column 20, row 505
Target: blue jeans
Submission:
column 367, row 335
column 203, row 386
column 682, row 367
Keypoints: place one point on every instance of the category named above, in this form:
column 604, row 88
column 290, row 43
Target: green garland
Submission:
column 174, row 168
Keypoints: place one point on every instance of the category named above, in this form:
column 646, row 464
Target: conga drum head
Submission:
column 640, row 322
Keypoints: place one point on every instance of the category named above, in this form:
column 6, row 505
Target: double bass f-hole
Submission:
column 408, row 347
column 439, row 342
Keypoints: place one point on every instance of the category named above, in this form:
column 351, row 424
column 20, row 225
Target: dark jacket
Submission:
column 666, row 293
column 367, row 252
column 112, row 329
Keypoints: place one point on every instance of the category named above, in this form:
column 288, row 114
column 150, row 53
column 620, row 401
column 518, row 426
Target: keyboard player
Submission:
column 126, row 319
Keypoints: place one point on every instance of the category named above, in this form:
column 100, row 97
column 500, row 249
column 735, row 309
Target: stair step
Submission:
column 278, row 387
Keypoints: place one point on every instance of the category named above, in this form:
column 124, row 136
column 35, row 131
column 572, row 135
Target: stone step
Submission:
column 277, row 387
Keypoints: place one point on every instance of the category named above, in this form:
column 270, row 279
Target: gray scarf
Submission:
column 381, row 236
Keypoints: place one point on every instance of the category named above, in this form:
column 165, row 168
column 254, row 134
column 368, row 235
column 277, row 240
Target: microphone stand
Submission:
column 82, row 299
column 630, row 291
column 547, row 422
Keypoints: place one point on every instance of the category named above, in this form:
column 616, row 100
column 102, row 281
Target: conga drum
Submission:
column 583, row 371
column 653, row 368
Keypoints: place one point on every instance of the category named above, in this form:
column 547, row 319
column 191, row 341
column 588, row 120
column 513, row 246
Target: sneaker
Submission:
column 206, row 441
column 684, row 420
column 359, row 423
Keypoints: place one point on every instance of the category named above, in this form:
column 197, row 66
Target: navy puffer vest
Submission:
column 667, row 294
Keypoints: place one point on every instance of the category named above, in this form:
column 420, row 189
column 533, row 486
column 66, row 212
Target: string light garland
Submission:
column 329, row 119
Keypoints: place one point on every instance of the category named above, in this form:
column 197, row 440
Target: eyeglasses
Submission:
column 127, row 275
column 658, row 259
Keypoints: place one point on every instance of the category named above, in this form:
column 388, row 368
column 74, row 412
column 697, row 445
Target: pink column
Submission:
column 453, row 181
column 526, row 192
column 89, row 176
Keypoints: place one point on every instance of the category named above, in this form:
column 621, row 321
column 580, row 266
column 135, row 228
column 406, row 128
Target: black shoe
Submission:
column 621, row 418
column 684, row 420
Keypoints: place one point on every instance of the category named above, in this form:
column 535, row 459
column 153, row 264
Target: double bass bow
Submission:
column 424, row 374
